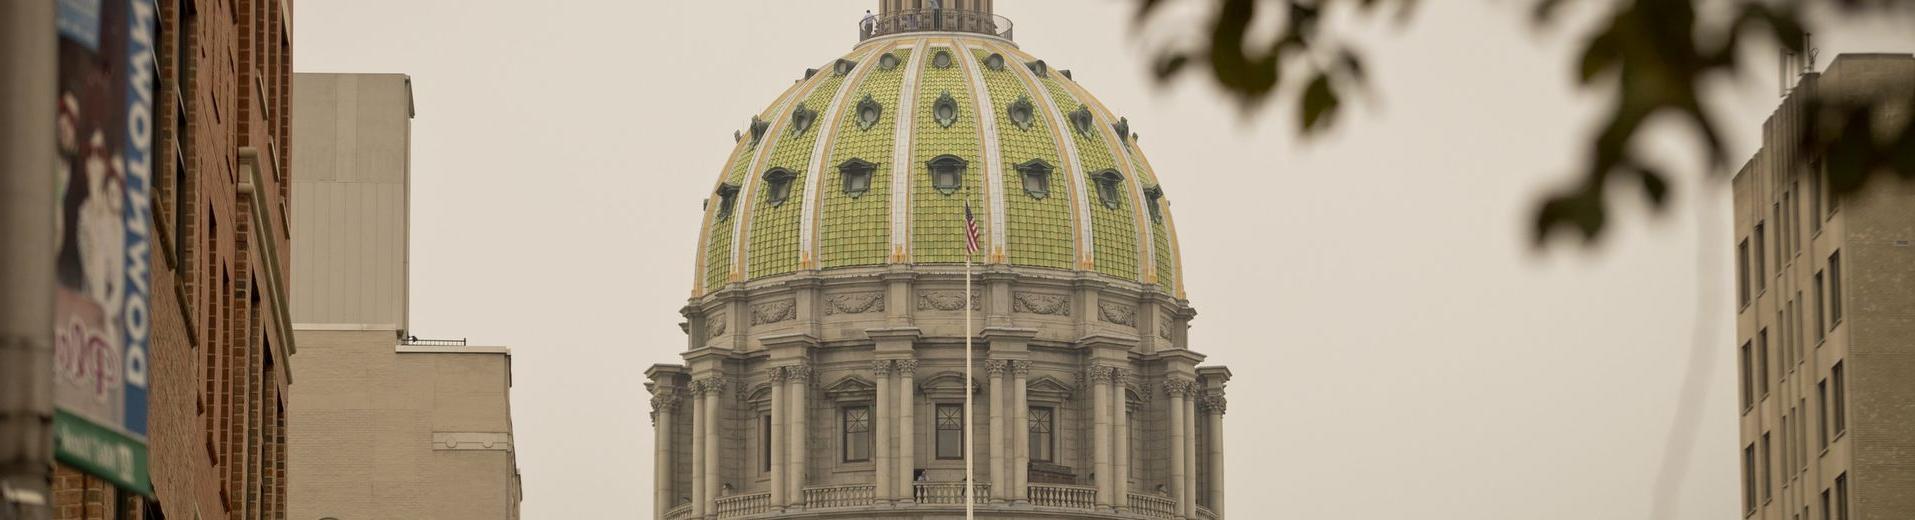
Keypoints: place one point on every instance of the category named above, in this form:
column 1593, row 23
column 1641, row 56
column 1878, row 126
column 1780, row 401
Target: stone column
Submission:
column 778, row 419
column 1100, row 432
column 797, row 378
column 907, row 405
column 664, row 402
column 994, row 370
column 881, row 452
column 1216, row 403
column 714, row 392
column 1021, row 431
column 1120, row 446
column 699, row 413
column 1189, row 447
column 1174, row 390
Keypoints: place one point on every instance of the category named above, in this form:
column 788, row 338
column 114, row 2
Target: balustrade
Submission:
column 949, row 492
column 679, row 513
column 839, row 496
column 743, row 505
column 1055, row 495
column 1153, row 506
column 1205, row 513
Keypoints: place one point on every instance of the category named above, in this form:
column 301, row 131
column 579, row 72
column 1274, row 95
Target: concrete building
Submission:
column 385, row 426
column 220, row 333
column 827, row 325
column 1824, row 288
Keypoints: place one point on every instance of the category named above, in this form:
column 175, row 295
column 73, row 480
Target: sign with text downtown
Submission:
column 103, row 232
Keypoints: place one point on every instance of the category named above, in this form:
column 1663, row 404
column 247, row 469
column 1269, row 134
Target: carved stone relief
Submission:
column 854, row 303
column 1040, row 303
column 715, row 325
column 774, row 312
column 946, row 300
column 1163, row 328
column 1117, row 313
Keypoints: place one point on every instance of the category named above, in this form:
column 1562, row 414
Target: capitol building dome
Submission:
column 824, row 371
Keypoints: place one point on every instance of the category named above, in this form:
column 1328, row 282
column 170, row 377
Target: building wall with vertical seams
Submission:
column 1039, row 231
column 937, row 219
column 1114, row 229
column 717, row 244
column 774, row 236
column 854, row 231
column 831, row 123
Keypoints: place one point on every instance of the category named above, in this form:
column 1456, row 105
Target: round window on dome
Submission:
column 941, row 59
column 1021, row 112
column 777, row 186
column 1083, row 120
column 869, row 111
column 945, row 110
column 947, row 173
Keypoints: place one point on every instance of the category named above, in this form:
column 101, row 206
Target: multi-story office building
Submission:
column 220, row 334
column 383, row 425
column 1824, row 288
column 827, row 330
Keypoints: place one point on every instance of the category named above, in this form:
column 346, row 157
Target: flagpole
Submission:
column 970, row 478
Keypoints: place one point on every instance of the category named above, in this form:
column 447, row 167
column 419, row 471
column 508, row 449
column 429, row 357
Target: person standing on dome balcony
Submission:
column 937, row 14
column 869, row 24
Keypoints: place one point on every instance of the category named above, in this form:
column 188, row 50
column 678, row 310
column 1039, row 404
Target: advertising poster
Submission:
column 102, row 229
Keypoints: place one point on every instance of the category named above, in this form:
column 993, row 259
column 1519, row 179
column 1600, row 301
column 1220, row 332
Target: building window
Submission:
column 1043, row 437
column 1742, row 273
column 1842, row 497
column 869, row 110
column 764, row 443
column 1037, row 178
column 802, row 117
column 1768, row 459
column 1835, row 288
column 1795, row 309
column 857, row 434
column 1815, row 197
column 1825, row 506
column 1822, row 415
column 1748, row 478
column 1762, row 363
column 1748, row 370
column 1107, row 191
column 1021, row 113
column 1781, row 232
column 950, row 428
column 777, row 186
column 1821, row 320
column 1154, row 196
column 947, row 173
column 1761, row 253
column 1782, row 342
column 1788, row 455
column 727, row 196
column 857, row 176
column 1839, row 404
column 945, row 110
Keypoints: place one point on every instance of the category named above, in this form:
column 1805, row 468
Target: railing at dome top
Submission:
column 679, row 513
column 1058, row 495
column 743, row 505
column 840, row 496
column 923, row 20
column 949, row 492
column 1153, row 506
column 1204, row 513
column 416, row 341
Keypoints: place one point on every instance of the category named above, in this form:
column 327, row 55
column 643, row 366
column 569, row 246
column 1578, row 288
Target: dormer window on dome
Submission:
column 758, row 127
column 941, row 59
column 869, row 111
column 1039, row 68
column 727, row 198
column 888, row 61
column 778, row 186
column 857, row 176
column 1021, row 113
column 1155, row 196
column 1107, row 188
column 801, row 118
column 947, row 173
column 994, row 62
column 1037, row 178
column 1082, row 120
column 945, row 110
column 1122, row 126
column 843, row 66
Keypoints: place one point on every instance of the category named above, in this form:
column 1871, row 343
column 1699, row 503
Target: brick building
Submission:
column 1824, row 283
column 221, row 333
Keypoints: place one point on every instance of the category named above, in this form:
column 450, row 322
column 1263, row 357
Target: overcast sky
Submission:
column 1399, row 349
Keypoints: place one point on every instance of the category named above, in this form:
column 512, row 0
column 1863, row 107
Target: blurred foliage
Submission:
column 1654, row 56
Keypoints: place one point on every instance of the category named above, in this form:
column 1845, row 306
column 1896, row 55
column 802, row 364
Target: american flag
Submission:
column 970, row 230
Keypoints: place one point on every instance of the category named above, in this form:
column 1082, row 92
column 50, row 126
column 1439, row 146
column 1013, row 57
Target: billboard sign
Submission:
column 103, row 174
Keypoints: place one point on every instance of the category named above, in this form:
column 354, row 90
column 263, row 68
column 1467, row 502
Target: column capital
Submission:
column 713, row 385
column 664, row 401
column 775, row 374
column 1175, row 386
column 996, row 367
column 881, row 367
column 1213, row 402
column 799, row 373
column 905, row 367
column 1099, row 372
column 1021, row 367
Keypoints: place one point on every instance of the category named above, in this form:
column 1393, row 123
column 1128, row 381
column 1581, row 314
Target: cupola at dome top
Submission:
column 911, row 16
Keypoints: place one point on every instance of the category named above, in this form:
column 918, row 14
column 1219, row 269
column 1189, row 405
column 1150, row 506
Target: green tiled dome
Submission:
column 839, row 171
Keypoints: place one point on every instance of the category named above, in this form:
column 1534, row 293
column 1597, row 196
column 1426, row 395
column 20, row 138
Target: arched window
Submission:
column 947, row 173
column 857, row 176
column 1037, row 178
column 727, row 196
column 777, row 186
column 1107, row 188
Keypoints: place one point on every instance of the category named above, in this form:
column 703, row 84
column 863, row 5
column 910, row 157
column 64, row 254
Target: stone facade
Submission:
column 220, row 335
column 1823, row 287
